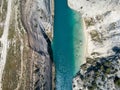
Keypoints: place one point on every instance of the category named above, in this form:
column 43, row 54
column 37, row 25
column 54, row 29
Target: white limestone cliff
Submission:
column 101, row 20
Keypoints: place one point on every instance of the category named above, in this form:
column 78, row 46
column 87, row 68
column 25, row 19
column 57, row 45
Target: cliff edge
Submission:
column 26, row 31
column 101, row 22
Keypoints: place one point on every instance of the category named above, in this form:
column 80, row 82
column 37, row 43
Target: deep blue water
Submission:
column 66, row 32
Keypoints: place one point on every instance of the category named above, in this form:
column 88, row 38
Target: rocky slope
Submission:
column 26, row 28
column 101, row 21
column 102, row 74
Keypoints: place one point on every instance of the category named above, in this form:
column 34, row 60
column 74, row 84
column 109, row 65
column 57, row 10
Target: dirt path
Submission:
column 4, row 41
column 1, row 8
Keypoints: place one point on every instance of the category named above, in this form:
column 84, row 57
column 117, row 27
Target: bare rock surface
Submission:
column 101, row 22
column 26, row 31
column 102, row 74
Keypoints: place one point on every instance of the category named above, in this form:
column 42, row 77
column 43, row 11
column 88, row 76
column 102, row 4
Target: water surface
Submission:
column 66, row 44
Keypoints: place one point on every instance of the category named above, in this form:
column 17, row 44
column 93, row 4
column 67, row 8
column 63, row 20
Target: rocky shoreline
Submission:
column 102, row 74
column 102, row 29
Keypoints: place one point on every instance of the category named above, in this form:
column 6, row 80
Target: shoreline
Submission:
column 64, row 58
column 82, row 50
column 85, row 44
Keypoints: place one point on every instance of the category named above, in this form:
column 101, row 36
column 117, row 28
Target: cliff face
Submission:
column 101, row 26
column 26, row 28
column 102, row 21
column 102, row 74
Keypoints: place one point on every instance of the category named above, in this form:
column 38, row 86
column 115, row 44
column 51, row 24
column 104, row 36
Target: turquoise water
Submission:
column 67, row 45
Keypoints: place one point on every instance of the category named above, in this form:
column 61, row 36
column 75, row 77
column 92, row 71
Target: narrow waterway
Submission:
column 67, row 44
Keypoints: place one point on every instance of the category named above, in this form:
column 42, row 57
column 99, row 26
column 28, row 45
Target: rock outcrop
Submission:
column 102, row 74
column 28, row 62
column 101, row 22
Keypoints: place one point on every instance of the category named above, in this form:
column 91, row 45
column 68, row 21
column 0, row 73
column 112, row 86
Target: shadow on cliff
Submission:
column 104, row 62
column 49, row 44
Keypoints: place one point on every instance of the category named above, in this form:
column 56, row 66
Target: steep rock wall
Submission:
column 101, row 22
column 28, row 63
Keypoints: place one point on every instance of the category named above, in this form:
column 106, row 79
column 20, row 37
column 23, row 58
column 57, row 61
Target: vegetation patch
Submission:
column 84, row 67
column 89, row 21
column 117, row 81
column 95, row 36
column 89, row 60
column 1, row 31
column 99, row 18
column 11, row 32
column 12, row 67
column 3, row 14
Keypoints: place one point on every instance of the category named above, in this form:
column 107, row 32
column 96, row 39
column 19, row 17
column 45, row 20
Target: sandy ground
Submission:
column 85, row 44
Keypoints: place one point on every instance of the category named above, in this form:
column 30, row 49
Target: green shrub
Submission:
column 117, row 81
